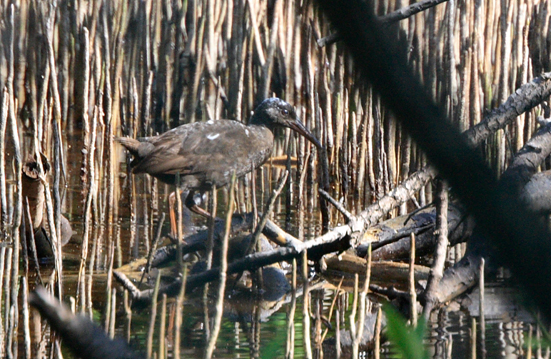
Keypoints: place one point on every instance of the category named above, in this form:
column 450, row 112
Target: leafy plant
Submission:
column 407, row 341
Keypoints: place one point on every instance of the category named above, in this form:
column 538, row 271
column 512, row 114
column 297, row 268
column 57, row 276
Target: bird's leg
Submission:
column 190, row 203
column 172, row 214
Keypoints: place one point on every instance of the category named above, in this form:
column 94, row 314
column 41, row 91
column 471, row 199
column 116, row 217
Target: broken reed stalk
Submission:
column 3, row 199
column 53, row 234
column 180, row 227
column 208, row 258
column 378, row 325
column 113, row 312
column 220, row 296
column 32, row 244
column 109, row 286
column 128, row 312
column 90, row 274
column 290, row 345
column 337, row 331
column 528, row 342
column 481, row 307
column 2, row 264
column 210, row 239
column 441, row 251
column 153, row 247
column 473, row 338
column 162, row 330
column 306, row 308
column 412, row 292
column 153, row 317
column 7, row 306
column 16, row 224
column 90, row 193
column 363, row 302
column 352, row 317
column 267, row 212
column 25, row 315
column 333, row 302
column 178, row 314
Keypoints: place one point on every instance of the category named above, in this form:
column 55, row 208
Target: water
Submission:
column 133, row 229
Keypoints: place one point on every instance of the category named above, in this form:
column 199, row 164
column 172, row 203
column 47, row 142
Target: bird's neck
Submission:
column 259, row 121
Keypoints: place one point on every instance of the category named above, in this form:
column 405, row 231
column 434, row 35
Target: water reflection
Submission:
column 253, row 325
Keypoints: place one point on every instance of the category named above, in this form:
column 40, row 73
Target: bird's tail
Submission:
column 131, row 144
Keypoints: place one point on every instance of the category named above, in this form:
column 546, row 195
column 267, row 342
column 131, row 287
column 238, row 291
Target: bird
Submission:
column 198, row 156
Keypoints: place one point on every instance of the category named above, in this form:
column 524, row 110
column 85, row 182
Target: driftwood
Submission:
column 315, row 248
column 340, row 238
column 391, row 240
column 499, row 213
column 537, row 192
column 241, row 223
column 85, row 339
column 384, row 273
column 522, row 100
column 464, row 274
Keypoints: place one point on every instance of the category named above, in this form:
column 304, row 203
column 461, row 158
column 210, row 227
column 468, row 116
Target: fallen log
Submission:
column 316, row 248
column 464, row 274
column 522, row 100
column 383, row 273
column 391, row 238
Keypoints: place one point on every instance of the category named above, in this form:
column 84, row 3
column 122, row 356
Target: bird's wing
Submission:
column 208, row 147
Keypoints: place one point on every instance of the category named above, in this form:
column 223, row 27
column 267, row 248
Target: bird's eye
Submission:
column 284, row 112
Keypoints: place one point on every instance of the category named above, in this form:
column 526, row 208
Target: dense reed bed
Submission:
column 74, row 74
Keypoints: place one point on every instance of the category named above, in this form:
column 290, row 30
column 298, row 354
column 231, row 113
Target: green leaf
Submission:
column 405, row 340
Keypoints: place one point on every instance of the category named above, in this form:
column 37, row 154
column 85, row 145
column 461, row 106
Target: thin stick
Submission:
column 353, row 317
column 440, row 254
column 88, row 207
column 3, row 121
column 412, row 292
column 178, row 314
column 26, row 327
column 333, row 302
column 162, row 345
column 481, row 306
column 347, row 215
column 152, row 317
column 128, row 311
column 473, row 339
column 377, row 349
column 219, row 307
column 210, row 248
column 16, row 225
column 113, row 313
column 361, row 315
column 153, row 248
column 269, row 208
column 32, row 244
column 305, row 308
column 290, row 348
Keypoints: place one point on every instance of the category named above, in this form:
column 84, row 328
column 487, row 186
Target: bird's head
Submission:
column 273, row 112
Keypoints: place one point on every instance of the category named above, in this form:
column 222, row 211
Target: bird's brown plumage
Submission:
column 204, row 154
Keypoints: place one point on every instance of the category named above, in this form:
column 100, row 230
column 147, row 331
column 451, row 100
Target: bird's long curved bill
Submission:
column 299, row 127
